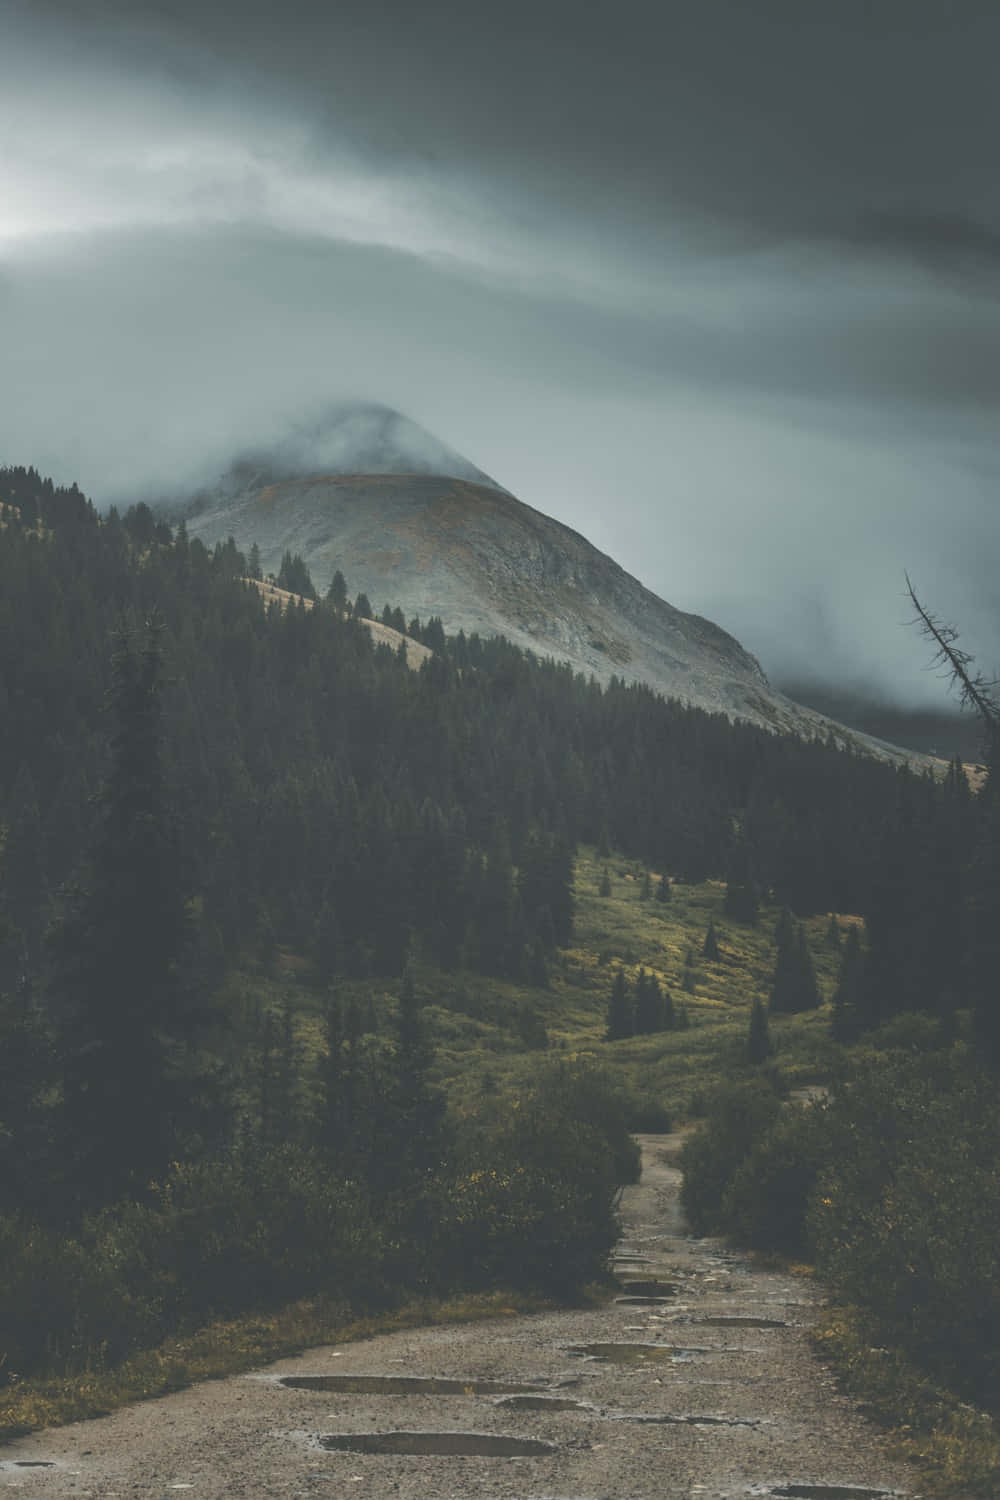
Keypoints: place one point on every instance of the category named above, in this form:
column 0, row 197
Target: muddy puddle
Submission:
column 544, row 1403
column 406, row 1385
column 659, row 1419
column 724, row 1321
column 829, row 1492
column 634, row 1354
column 634, row 1287
column 640, row 1301
column 438, row 1444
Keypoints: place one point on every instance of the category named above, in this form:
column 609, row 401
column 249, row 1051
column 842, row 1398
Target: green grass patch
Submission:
column 477, row 1023
column 229, row 1348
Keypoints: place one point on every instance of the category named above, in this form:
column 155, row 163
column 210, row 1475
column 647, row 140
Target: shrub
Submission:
column 765, row 1204
column 738, row 1116
column 906, row 1219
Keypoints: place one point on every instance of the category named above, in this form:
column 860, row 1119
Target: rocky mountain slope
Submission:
column 357, row 493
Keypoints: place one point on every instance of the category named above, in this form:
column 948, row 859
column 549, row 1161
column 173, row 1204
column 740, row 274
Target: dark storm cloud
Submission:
column 770, row 118
column 714, row 282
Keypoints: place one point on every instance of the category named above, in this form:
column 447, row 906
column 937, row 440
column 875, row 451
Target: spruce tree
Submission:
column 846, row 1023
column 758, row 1036
column 621, row 1015
column 663, row 890
column 784, row 981
column 649, row 1006
column 741, row 903
column 336, row 594
column 710, row 947
column 604, row 887
column 419, row 1106
column 793, row 986
column 128, row 1016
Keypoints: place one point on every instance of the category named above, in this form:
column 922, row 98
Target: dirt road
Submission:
column 701, row 1385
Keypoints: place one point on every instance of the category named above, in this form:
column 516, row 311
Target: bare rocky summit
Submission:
column 411, row 523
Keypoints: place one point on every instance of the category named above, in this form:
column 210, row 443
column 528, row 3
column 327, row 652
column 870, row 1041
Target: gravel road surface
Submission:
column 702, row 1386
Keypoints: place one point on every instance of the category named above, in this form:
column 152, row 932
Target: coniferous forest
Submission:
column 193, row 779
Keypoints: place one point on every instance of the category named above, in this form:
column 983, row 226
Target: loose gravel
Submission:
column 737, row 1406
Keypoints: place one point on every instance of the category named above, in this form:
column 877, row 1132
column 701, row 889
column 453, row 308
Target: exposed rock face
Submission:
column 458, row 546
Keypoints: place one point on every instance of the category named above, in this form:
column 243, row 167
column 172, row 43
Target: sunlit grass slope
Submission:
column 488, row 1035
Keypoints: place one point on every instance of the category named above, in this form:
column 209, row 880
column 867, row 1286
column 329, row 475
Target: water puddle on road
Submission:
column 543, row 1403
column 406, row 1385
column 723, row 1321
column 638, row 1288
column 634, row 1354
column 659, row 1420
column 829, row 1492
column 640, row 1301
column 438, row 1444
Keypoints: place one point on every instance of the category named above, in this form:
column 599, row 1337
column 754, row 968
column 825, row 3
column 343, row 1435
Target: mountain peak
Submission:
column 352, row 437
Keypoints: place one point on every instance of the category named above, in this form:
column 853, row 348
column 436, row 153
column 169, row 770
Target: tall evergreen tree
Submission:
column 759, row 1046
column 649, row 1004
column 621, row 1013
column 793, row 986
column 710, row 947
column 336, row 594
column 847, row 1021
column 128, row 1016
column 741, row 903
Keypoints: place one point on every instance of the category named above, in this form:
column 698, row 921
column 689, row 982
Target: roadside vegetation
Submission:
column 332, row 990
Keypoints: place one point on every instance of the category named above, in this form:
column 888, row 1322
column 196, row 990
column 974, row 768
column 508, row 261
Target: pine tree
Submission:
column 649, row 1006
column 604, row 888
column 253, row 564
column 293, row 575
column 784, row 988
column 710, row 947
column 846, row 1023
column 758, row 1036
column 793, row 986
column 419, row 1106
column 128, row 1020
column 741, row 903
column 663, row 890
column 621, row 1015
column 646, row 890
column 808, row 990
column 689, row 976
column 336, row 594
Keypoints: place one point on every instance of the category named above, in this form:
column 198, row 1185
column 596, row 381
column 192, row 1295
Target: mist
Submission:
column 662, row 284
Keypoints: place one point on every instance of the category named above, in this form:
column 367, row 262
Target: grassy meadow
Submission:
column 490, row 1035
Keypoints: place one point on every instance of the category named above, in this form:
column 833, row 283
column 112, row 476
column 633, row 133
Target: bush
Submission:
column 906, row 1219
column 738, row 1117
column 534, row 1205
column 765, row 1204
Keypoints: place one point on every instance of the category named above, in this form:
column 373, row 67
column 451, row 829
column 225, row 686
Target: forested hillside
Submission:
column 195, row 785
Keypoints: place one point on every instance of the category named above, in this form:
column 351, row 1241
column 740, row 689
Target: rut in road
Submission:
column 698, row 1383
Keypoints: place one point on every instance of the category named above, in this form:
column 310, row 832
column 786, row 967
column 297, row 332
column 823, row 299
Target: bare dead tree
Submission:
column 975, row 691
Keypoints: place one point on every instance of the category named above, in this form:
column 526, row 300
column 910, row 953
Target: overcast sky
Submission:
column 715, row 282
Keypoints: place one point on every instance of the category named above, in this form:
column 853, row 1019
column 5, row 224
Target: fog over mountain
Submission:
column 714, row 284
